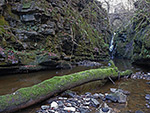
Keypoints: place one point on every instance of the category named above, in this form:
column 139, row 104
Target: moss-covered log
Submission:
column 28, row 96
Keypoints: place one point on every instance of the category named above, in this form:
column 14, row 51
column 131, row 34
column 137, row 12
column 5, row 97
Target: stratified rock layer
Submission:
column 69, row 29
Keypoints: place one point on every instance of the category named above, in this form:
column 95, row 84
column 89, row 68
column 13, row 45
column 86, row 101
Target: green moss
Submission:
column 3, row 24
column 53, row 85
column 26, row 4
column 127, row 72
column 4, row 42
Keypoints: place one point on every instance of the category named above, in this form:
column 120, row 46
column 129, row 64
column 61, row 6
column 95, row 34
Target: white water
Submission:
column 111, row 43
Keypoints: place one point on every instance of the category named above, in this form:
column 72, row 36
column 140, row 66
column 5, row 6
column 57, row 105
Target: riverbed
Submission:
column 137, row 88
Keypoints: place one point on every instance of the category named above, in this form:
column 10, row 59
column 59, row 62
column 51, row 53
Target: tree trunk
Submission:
column 28, row 96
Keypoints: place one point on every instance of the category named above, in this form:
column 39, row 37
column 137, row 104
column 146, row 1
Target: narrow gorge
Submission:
column 78, row 56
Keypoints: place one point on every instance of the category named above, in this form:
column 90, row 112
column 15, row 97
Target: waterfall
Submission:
column 111, row 47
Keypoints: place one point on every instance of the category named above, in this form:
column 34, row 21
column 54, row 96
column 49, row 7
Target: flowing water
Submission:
column 137, row 88
column 10, row 83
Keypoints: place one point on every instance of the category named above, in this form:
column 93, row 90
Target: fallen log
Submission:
column 28, row 96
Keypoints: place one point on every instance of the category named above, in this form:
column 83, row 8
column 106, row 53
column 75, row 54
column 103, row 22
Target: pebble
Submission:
column 96, row 95
column 95, row 102
column 60, row 98
column 101, row 95
column 111, row 97
column 54, row 105
column 79, row 104
column 60, row 104
column 113, row 90
column 147, row 97
column 122, row 97
column 86, row 99
column 105, row 109
column 83, row 110
column 86, row 103
column 70, row 109
column 87, row 93
column 68, row 104
column 139, row 75
column 44, row 107
column 117, row 95
column 148, row 106
column 65, row 98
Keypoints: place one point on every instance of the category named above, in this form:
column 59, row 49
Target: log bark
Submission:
column 28, row 96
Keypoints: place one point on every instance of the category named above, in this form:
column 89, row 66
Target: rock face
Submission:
column 77, row 29
column 133, row 41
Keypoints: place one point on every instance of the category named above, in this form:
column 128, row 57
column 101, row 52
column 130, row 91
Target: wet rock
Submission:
column 88, row 63
column 112, row 97
column 87, row 99
column 95, row 102
column 141, row 75
column 68, row 104
column 122, row 97
column 44, row 107
column 147, row 97
column 28, row 17
column 31, row 33
column 70, row 109
column 105, row 109
column 54, row 105
column 86, row 103
column 101, row 95
column 83, row 110
column 2, row 2
column 118, row 95
column 77, row 103
column 113, row 90
column 60, row 104
column 87, row 93
column 96, row 95
column 139, row 111
column 48, row 32
column 148, row 106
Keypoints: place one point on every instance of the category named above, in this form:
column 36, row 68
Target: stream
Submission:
column 137, row 88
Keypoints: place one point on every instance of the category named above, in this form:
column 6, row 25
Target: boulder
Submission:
column 2, row 2
column 28, row 17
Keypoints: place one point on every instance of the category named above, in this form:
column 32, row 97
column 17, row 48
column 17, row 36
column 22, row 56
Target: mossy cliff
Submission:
column 69, row 29
column 133, row 40
column 25, row 97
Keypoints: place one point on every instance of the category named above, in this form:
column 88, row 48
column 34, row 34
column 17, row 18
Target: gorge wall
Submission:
column 133, row 40
column 43, row 32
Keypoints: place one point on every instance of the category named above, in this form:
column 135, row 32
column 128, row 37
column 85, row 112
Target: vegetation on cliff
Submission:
column 133, row 41
column 76, row 29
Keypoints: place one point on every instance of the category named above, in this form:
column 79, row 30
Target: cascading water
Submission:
column 111, row 47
